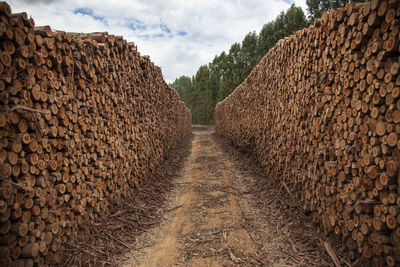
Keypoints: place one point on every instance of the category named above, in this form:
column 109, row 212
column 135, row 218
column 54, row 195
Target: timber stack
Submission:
column 322, row 112
column 84, row 120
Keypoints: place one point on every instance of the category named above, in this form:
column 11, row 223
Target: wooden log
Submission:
column 64, row 96
column 337, row 116
column 30, row 251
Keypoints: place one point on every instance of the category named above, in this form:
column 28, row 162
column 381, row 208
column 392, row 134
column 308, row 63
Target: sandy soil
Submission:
column 211, row 218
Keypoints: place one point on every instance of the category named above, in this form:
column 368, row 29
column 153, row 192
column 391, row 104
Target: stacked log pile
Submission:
column 322, row 111
column 84, row 120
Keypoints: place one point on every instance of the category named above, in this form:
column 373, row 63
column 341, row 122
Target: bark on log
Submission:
column 83, row 119
column 321, row 111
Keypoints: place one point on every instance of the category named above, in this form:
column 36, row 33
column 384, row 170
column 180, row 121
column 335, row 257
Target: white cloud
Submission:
column 302, row 4
column 179, row 35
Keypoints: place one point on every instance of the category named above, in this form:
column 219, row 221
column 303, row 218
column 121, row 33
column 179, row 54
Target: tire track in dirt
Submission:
column 206, row 228
column 206, row 221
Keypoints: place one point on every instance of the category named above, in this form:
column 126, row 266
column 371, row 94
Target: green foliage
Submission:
column 215, row 81
column 315, row 8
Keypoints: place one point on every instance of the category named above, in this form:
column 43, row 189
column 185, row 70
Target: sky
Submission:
column 178, row 35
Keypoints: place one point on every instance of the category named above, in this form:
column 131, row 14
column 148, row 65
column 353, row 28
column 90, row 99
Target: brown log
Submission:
column 20, row 229
column 335, row 135
column 65, row 96
column 30, row 250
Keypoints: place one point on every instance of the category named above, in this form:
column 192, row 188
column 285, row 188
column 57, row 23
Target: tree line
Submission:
column 217, row 79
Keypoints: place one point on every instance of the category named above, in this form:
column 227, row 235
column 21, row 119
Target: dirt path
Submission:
column 211, row 219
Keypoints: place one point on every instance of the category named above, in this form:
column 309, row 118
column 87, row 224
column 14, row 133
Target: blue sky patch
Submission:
column 83, row 11
column 182, row 33
column 158, row 35
column 162, row 35
column 166, row 32
column 152, row 36
column 165, row 28
column 87, row 12
column 135, row 24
